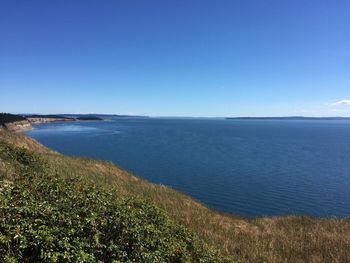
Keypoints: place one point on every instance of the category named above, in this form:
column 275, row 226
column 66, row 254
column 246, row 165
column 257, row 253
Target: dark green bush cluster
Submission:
column 47, row 218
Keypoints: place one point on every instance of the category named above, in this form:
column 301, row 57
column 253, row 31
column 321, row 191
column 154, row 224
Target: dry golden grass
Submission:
column 274, row 239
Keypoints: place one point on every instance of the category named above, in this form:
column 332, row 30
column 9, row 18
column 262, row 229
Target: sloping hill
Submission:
column 164, row 225
column 50, row 217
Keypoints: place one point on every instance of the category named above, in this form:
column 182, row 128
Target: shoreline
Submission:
column 27, row 125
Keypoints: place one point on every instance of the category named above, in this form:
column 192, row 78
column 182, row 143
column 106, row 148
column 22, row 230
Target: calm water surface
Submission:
column 246, row 167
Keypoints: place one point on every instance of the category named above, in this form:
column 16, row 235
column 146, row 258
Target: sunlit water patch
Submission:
column 49, row 128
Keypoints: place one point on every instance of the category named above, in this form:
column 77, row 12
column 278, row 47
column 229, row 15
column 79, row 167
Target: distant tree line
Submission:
column 8, row 118
column 48, row 116
column 89, row 118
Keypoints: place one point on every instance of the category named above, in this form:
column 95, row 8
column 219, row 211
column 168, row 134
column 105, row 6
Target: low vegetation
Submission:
column 48, row 218
column 58, row 208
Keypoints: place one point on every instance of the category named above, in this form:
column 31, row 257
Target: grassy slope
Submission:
column 276, row 239
column 52, row 215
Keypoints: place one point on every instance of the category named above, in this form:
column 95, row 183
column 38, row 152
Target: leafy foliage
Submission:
column 48, row 218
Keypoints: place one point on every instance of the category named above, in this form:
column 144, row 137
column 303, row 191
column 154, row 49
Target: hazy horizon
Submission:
column 174, row 116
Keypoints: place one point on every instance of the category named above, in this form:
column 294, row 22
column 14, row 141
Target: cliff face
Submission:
column 25, row 125
column 18, row 126
column 13, row 122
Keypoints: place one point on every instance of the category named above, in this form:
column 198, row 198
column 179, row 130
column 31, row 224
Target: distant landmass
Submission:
column 89, row 118
column 14, row 122
column 23, row 122
column 103, row 115
column 47, row 116
column 8, row 118
column 288, row 118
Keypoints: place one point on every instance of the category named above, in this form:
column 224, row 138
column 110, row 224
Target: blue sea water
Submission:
column 244, row 167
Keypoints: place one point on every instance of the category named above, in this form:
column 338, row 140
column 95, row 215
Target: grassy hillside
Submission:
column 99, row 210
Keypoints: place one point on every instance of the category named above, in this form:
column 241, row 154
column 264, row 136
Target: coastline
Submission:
column 27, row 125
column 18, row 126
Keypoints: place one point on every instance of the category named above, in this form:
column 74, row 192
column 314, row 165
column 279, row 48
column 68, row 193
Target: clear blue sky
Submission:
column 176, row 58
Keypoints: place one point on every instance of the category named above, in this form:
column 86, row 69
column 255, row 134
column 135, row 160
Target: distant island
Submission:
column 23, row 122
column 288, row 118
column 103, row 116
